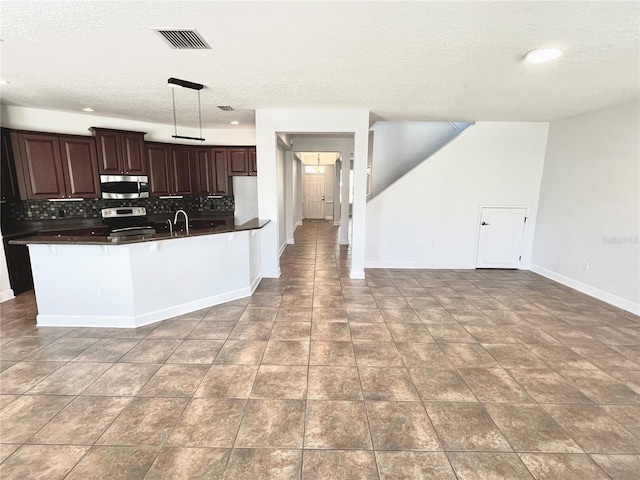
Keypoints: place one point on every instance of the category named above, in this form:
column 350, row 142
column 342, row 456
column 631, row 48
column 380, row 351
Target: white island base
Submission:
column 131, row 285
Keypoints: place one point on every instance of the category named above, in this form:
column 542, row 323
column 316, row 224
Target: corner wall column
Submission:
column 344, row 205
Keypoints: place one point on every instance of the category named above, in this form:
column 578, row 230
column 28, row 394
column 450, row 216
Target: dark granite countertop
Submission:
column 28, row 228
column 253, row 224
column 23, row 229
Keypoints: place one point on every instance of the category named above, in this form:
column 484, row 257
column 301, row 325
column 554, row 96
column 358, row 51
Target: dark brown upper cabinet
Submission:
column 50, row 166
column 253, row 161
column 158, row 161
column 55, row 166
column 38, row 165
column 171, row 169
column 80, row 167
column 211, row 170
column 9, row 188
column 183, row 173
column 120, row 152
column 242, row 161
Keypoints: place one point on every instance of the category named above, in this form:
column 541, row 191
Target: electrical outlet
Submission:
column 585, row 265
column 101, row 291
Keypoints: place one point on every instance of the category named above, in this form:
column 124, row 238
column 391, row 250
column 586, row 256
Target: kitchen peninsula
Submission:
column 128, row 282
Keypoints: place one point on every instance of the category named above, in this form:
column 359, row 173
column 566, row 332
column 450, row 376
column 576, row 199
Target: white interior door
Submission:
column 314, row 195
column 500, row 239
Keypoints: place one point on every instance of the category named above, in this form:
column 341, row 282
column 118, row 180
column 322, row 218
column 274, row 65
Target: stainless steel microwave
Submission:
column 124, row 186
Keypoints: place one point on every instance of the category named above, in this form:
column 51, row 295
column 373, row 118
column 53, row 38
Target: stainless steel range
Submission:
column 126, row 221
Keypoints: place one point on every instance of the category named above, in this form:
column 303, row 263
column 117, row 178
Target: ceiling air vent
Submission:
column 183, row 39
column 225, row 108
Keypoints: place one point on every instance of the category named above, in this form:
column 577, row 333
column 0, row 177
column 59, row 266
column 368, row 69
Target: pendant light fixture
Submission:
column 177, row 83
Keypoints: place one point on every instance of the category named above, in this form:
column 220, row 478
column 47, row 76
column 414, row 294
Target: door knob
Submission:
column 485, row 223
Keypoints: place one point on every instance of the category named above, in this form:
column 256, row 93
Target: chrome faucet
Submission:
column 170, row 226
column 186, row 219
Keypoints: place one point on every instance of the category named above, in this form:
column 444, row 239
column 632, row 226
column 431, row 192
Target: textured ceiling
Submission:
column 450, row 60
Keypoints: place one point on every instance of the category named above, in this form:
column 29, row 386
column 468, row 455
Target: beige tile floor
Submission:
column 426, row 374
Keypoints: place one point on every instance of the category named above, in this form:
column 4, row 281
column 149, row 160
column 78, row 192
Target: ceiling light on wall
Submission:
column 176, row 82
column 235, row 122
column 542, row 55
column 88, row 109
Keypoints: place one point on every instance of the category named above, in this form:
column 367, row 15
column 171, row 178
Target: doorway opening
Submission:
column 320, row 195
column 314, row 198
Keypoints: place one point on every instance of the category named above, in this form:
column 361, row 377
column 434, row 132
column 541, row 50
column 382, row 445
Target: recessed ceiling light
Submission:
column 235, row 122
column 88, row 109
column 3, row 81
column 542, row 55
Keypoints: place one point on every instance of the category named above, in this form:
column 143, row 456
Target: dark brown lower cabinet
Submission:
column 19, row 267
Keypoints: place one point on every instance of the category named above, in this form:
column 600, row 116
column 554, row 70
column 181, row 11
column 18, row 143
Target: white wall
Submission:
column 400, row 146
column 6, row 292
column 329, row 180
column 336, row 192
column 24, row 118
column 590, row 205
column 280, row 186
column 298, row 176
column 429, row 218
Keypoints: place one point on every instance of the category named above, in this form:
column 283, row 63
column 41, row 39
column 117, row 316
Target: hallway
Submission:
column 416, row 374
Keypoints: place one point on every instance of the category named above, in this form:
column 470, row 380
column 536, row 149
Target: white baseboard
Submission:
column 329, row 217
column 134, row 321
column 356, row 274
column 607, row 297
column 255, row 283
column 6, row 295
column 299, row 224
column 282, row 247
column 419, row 265
column 336, row 224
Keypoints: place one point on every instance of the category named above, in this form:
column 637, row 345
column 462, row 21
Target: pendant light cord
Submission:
column 175, row 124
column 192, row 86
column 200, row 114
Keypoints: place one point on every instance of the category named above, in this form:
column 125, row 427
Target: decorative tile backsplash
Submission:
column 18, row 210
